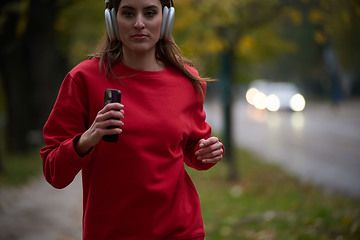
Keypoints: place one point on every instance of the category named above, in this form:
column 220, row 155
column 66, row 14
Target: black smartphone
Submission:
column 110, row 96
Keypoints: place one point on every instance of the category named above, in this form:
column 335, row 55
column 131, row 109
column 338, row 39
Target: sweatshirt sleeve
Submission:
column 200, row 129
column 67, row 121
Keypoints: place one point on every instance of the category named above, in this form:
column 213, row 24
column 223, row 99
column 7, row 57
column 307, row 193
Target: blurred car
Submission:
column 275, row 96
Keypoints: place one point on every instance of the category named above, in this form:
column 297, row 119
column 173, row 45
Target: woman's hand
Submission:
column 210, row 150
column 99, row 127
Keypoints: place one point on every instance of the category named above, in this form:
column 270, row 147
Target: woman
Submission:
column 136, row 188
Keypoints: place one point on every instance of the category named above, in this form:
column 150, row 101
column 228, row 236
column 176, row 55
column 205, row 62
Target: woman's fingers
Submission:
column 210, row 150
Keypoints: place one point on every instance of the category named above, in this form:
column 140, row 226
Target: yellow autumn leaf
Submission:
column 295, row 15
column 246, row 44
column 316, row 16
column 319, row 38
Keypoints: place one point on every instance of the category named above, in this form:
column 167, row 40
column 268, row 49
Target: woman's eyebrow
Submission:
column 151, row 6
column 127, row 7
column 132, row 8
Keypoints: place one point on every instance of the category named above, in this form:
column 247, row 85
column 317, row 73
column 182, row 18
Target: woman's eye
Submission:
column 127, row 14
column 150, row 13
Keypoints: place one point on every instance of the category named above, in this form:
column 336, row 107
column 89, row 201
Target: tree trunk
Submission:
column 227, row 75
column 45, row 65
column 14, row 80
column 32, row 69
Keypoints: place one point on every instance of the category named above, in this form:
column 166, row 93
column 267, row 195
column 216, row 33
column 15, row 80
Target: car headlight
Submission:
column 272, row 103
column 260, row 100
column 250, row 95
column 297, row 103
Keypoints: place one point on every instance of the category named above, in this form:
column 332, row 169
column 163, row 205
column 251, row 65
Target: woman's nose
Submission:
column 139, row 24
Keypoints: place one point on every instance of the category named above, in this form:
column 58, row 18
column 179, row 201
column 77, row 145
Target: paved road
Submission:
column 39, row 212
column 320, row 145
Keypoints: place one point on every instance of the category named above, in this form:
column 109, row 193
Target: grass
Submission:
column 269, row 203
column 19, row 168
column 266, row 204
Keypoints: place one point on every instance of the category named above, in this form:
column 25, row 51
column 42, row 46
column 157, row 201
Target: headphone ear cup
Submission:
column 164, row 21
column 109, row 26
column 114, row 23
column 169, row 23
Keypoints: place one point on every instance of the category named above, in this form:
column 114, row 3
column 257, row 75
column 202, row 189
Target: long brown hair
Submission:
column 167, row 51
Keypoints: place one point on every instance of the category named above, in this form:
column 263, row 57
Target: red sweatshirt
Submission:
column 136, row 188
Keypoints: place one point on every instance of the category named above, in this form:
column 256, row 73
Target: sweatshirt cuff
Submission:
column 62, row 163
column 76, row 159
column 75, row 140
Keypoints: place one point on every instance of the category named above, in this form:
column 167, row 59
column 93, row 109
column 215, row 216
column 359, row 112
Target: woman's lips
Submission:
column 139, row 36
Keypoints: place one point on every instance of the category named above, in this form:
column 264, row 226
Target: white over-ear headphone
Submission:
column 167, row 21
column 166, row 24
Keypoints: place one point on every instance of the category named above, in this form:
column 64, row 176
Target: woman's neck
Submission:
column 143, row 62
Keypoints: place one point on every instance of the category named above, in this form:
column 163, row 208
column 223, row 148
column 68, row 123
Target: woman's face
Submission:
column 139, row 23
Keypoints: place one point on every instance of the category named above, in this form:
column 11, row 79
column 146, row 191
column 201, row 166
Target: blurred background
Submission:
column 311, row 43
column 287, row 94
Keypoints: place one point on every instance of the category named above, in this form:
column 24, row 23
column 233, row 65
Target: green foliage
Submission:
column 279, row 39
column 206, row 28
column 340, row 23
column 20, row 168
column 275, row 39
column 270, row 204
column 80, row 26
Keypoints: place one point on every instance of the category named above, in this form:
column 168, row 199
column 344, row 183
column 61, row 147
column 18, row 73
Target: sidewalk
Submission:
column 37, row 211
